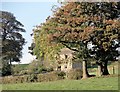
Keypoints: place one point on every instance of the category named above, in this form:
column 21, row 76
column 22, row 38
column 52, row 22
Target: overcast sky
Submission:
column 29, row 14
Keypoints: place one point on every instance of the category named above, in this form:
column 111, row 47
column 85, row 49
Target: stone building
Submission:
column 65, row 61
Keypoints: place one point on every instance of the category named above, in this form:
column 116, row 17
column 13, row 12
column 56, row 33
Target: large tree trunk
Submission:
column 100, row 67
column 85, row 72
column 105, row 69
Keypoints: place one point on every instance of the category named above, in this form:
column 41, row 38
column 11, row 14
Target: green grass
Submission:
column 93, row 70
column 21, row 65
column 97, row 83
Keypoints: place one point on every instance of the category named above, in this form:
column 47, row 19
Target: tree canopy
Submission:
column 41, row 46
column 11, row 37
column 77, row 24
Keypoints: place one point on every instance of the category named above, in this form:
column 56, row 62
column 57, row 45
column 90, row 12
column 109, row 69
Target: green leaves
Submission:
column 12, row 40
column 43, row 46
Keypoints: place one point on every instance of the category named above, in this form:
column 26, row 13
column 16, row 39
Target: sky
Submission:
column 29, row 14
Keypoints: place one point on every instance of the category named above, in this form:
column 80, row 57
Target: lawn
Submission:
column 96, row 83
column 93, row 70
column 21, row 66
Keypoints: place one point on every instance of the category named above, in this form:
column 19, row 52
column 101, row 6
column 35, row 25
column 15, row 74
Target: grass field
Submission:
column 21, row 66
column 93, row 70
column 96, row 83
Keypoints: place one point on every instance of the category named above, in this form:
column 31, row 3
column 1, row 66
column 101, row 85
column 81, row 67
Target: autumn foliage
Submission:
column 76, row 24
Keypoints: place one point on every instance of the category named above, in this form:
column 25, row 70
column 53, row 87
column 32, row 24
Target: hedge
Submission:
column 74, row 74
column 52, row 76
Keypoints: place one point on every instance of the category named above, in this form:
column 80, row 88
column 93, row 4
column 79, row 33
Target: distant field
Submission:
column 101, row 83
column 21, row 66
column 112, row 68
column 96, row 83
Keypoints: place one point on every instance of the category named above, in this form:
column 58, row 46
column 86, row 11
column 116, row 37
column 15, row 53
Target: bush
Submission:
column 61, row 74
column 52, row 76
column 6, row 69
column 49, row 69
column 34, row 67
column 6, row 79
column 43, row 70
column 26, row 78
column 16, row 69
column 24, row 72
column 74, row 74
column 32, row 78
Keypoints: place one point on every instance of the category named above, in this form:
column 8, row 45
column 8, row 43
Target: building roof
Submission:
column 65, row 51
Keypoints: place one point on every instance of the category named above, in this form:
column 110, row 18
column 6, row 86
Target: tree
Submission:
column 12, row 40
column 76, row 24
column 44, row 50
column 72, row 29
column 105, row 19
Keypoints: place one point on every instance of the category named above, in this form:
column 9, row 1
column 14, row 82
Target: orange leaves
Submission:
column 69, row 6
column 108, row 21
column 73, row 36
column 113, row 24
column 65, row 10
column 66, row 13
column 116, row 24
column 85, row 34
column 77, row 20
column 96, row 18
column 89, row 29
column 69, row 26
column 56, row 35
column 50, row 37
column 70, row 33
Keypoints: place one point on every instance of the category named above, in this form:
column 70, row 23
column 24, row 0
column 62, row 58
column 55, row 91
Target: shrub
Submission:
column 16, row 69
column 74, row 74
column 49, row 69
column 51, row 76
column 61, row 74
column 24, row 72
column 34, row 67
column 38, row 71
column 32, row 78
column 7, row 79
column 26, row 78
column 6, row 69
column 43, row 70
